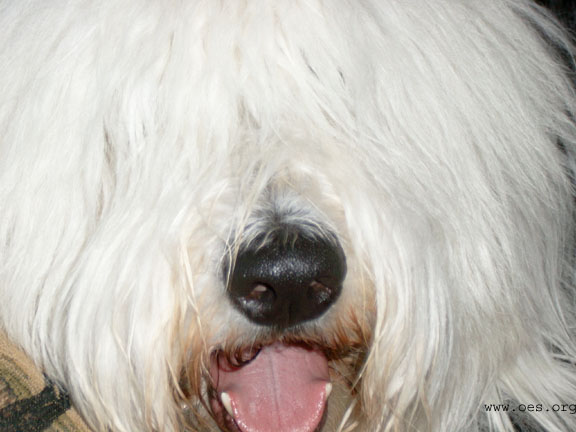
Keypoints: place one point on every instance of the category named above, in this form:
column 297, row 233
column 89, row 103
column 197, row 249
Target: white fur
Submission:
column 138, row 136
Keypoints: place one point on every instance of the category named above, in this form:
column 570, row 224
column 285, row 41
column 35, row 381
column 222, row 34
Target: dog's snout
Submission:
column 284, row 283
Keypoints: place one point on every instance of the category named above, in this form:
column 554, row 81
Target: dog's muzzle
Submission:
column 285, row 282
column 279, row 281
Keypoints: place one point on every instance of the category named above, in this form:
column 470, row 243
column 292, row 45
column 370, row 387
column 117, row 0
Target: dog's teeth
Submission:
column 328, row 389
column 225, row 398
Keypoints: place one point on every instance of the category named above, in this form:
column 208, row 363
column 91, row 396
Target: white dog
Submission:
column 215, row 214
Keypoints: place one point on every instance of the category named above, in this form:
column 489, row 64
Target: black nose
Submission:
column 284, row 283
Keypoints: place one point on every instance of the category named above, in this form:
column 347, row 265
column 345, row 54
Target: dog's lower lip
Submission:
column 225, row 419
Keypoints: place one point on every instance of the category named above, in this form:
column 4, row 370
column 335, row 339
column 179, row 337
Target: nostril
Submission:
column 282, row 284
column 261, row 292
column 319, row 292
column 259, row 300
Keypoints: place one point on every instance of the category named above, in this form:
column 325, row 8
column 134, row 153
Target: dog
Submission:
column 307, row 215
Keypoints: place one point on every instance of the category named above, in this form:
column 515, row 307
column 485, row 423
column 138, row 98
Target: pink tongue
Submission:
column 282, row 390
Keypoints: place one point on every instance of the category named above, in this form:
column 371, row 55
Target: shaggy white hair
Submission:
column 140, row 138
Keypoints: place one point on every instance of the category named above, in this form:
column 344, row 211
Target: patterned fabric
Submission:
column 29, row 402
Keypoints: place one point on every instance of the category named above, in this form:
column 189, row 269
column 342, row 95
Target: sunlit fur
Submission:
column 140, row 140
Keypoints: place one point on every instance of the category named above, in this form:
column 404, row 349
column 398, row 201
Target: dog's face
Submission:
column 292, row 322
column 288, row 215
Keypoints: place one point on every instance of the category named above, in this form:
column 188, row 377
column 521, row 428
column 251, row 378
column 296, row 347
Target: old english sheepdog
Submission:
column 291, row 215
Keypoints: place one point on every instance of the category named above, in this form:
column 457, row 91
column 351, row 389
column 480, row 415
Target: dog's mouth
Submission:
column 279, row 387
